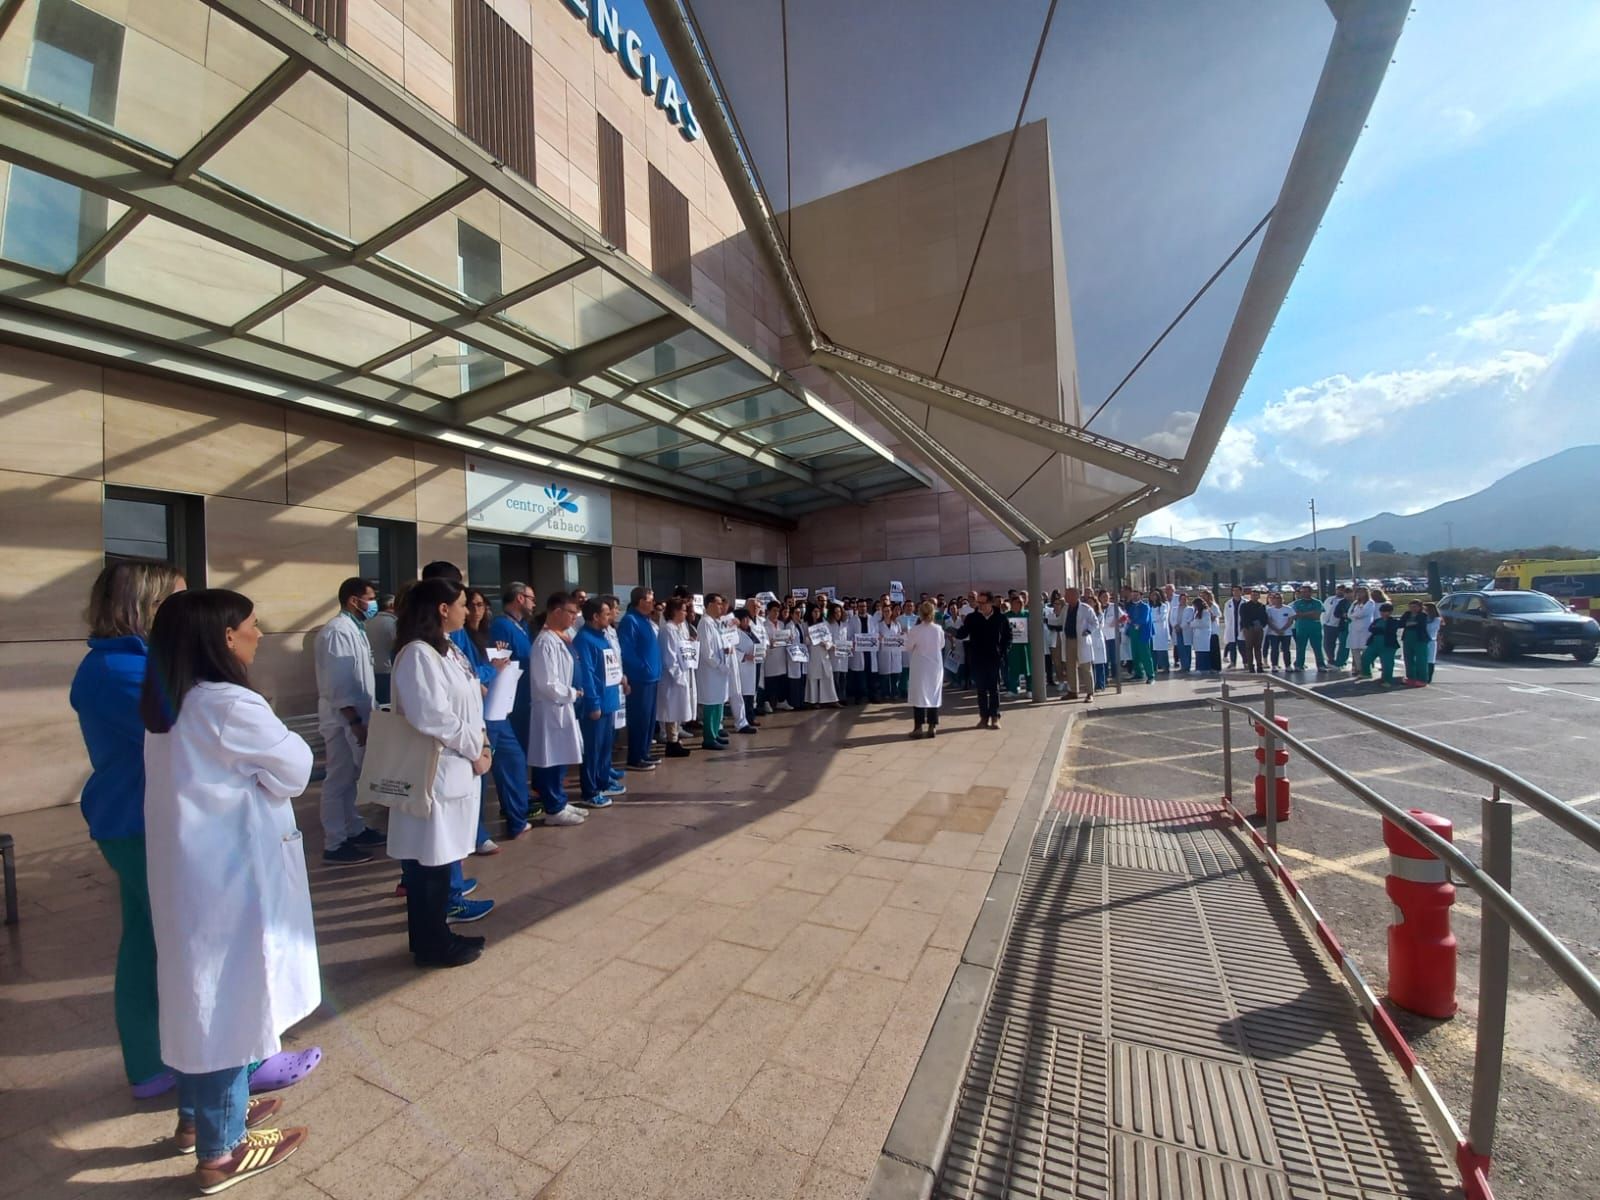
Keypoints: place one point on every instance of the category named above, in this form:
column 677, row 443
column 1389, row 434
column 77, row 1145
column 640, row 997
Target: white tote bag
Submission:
column 400, row 765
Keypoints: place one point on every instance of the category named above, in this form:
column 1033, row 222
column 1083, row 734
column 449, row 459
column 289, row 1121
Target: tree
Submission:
column 1379, row 546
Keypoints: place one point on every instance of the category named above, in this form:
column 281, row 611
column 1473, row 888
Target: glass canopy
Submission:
column 251, row 205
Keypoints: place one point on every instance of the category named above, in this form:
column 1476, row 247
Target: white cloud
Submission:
column 1234, row 460
column 1339, row 409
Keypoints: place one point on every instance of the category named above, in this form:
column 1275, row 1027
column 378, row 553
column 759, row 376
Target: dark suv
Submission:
column 1510, row 623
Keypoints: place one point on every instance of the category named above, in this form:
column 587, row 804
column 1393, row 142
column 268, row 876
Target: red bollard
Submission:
column 1281, row 760
column 1422, row 950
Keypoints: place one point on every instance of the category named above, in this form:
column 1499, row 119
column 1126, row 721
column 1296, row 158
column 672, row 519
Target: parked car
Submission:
column 1508, row 623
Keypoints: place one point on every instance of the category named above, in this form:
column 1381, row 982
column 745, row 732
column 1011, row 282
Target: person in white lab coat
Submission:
column 1161, row 643
column 890, row 654
column 728, row 630
column 712, row 678
column 1095, row 619
column 554, row 740
column 1363, row 612
column 436, row 690
column 345, row 694
column 839, row 631
column 798, row 657
column 674, row 698
column 819, row 667
column 925, row 656
column 748, row 654
column 236, row 950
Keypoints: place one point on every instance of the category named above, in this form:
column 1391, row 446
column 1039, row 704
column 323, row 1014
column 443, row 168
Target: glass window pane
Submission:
column 753, row 408
column 798, row 496
column 686, row 456
column 684, row 350
column 599, row 421
column 711, row 384
column 136, row 529
column 821, row 444
column 804, row 423
column 447, row 367
column 49, row 223
column 655, row 437
column 178, row 269
column 336, row 326
column 746, row 476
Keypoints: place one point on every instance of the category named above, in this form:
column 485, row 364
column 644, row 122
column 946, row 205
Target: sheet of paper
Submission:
column 502, row 694
column 619, row 719
column 817, row 633
column 1019, row 628
column 613, row 662
column 800, row 653
column 866, row 643
column 691, row 655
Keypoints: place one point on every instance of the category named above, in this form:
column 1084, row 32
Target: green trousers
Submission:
column 1144, row 661
column 1416, row 658
column 1016, row 669
column 711, row 723
column 1306, row 634
column 138, row 1025
column 1383, row 654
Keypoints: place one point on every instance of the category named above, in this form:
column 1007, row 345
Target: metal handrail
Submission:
column 1502, row 911
column 1580, row 825
column 1560, row 960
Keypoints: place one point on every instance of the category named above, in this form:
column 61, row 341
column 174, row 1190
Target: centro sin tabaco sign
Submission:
column 535, row 504
column 605, row 26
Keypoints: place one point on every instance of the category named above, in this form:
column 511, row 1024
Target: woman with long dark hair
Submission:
column 436, row 690
column 236, row 951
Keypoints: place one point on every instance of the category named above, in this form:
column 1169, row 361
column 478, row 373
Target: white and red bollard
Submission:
column 1422, row 949
column 1280, row 759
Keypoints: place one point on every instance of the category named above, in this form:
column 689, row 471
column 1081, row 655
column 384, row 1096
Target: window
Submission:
column 494, row 86
column 386, row 552
column 478, row 267
column 162, row 525
column 663, row 572
column 613, row 193
column 326, row 15
column 755, row 578
column 669, row 233
column 76, row 63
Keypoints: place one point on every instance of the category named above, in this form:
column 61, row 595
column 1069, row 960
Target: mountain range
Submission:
column 1554, row 501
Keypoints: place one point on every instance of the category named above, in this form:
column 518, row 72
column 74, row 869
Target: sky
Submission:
column 1445, row 326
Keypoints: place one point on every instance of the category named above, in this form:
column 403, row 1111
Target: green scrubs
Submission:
column 1308, row 631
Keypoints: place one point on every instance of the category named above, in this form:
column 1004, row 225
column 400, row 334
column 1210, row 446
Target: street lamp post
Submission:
column 1316, row 551
column 1228, row 525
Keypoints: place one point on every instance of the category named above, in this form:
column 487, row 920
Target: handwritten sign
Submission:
column 818, row 633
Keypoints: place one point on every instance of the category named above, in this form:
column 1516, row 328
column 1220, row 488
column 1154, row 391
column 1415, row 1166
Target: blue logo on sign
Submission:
column 559, row 495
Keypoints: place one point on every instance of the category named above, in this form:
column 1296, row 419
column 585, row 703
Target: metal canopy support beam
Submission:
column 1362, row 47
column 994, row 506
column 103, row 245
column 1104, row 452
column 262, row 97
column 1136, row 505
column 543, row 284
column 1036, row 650
column 824, row 475
column 416, row 219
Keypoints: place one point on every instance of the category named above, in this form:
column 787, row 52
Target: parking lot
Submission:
column 1539, row 717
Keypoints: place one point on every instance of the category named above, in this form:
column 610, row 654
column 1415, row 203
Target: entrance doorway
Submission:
column 494, row 562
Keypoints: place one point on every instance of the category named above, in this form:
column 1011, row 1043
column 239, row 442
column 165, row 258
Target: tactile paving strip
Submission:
column 1161, row 1026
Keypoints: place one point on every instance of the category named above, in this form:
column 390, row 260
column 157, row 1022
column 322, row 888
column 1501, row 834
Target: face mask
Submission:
column 370, row 611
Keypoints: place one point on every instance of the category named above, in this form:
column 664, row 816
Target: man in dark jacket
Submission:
column 987, row 634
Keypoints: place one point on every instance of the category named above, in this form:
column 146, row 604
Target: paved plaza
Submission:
column 718, row 988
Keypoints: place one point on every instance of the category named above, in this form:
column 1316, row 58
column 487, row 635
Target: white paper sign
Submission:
column 783, row 636
column 841, row 657
column 699, row 604
column 799, row 593
column 800, row 653
column 619, row 719
column 502, row 694
column 1019, row 628
column 832, row 593
column 690, row 655
column 766, row 598
column 613, row 662
column 893, row 637
column 730, row 638
column 897, row 591
column 866, row 643
column 496, row 654
column 817, row 633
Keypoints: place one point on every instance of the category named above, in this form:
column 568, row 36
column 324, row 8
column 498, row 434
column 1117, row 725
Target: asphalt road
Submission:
column 1539, row 717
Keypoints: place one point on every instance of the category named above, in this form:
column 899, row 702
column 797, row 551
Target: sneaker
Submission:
column 933, row 731
column 617, row 789
column 460, row 953
column 261, row 1150
column 260, row 1110
column 567, row 816
column 677, row 750
column 749, row 731
column 488, row 846
column 642, row 766
column 347, row 855
column 600, row 801
column 158, row 1084
column 464, row 912
column 369, row 837
column 468, row 886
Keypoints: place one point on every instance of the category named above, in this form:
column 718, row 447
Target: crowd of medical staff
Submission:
column 193, row 774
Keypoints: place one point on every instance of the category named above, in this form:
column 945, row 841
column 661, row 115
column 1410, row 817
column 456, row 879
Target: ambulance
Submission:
column 1573, row 581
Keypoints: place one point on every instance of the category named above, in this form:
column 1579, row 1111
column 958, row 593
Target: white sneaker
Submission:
column 487, row 846
column 567, row 816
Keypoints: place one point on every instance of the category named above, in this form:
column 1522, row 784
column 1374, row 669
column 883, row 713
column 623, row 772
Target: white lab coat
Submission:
column 854, row 624
column 674, row 703
column 1361, row 617
column 925, row 649
column 819, row 672
column 1433, row 639
column 1179, row 615
column 711, row 680
column 236, row 960
column 839, row 631
column 1230, row 620
column 1110, row 627
column 748, row 651
column 553, row 736
column 798, row 636
column 1163, row 634
column 1280, row 619
column 1088, row 634
column 439, row 695
column 1096, row 623
column 1201, row 627
column 890, row 658
column 775, row 664
column 343, row 661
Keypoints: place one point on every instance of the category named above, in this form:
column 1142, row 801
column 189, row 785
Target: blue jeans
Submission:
column 1100, row 676
column 510, row 771
column 599, row 736
column 550, row 783
column 641, row 710
column 216, row 1103
column 1185, row 652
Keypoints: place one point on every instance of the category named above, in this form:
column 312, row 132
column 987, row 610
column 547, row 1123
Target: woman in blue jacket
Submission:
column 105, row 695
